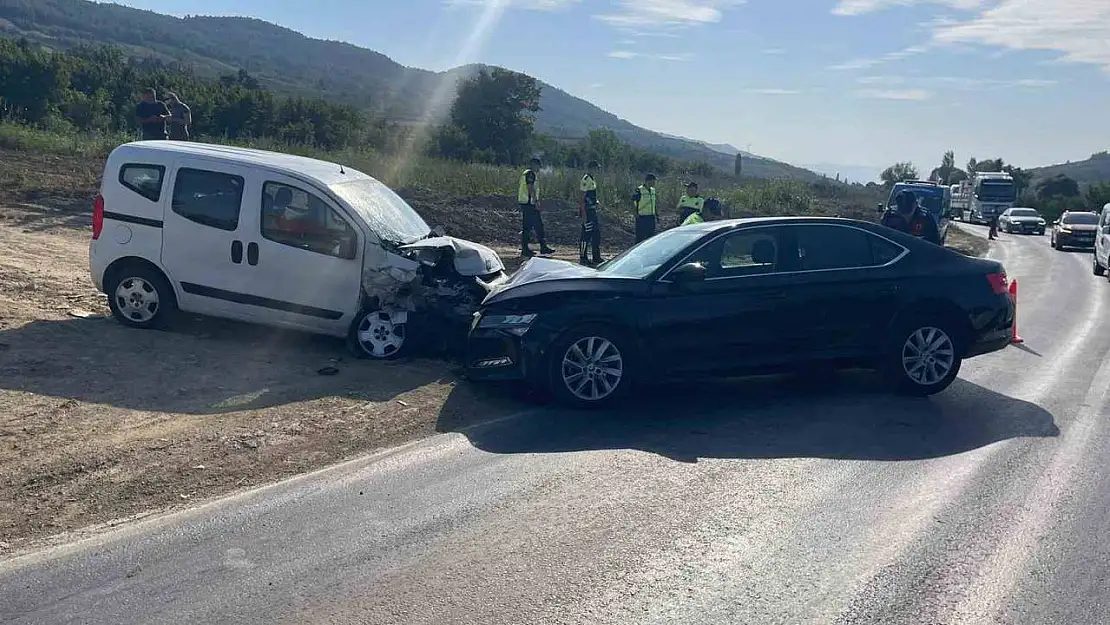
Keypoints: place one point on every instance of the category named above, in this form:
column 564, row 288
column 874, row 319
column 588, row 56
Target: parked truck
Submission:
column 984, row 196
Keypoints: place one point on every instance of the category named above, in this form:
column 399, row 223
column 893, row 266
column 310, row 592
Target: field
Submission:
column 100, row 423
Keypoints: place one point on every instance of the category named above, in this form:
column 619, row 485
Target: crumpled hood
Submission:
column 471, row 259
column 538, row 269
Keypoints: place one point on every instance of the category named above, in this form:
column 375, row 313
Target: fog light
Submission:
column 494, row 362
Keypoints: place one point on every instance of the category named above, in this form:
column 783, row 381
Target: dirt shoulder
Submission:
column 100, row 422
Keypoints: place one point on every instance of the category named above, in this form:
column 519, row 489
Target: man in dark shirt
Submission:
column 908, row 216
column 152, row 115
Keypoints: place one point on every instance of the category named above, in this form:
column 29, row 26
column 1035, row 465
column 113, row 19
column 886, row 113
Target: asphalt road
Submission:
column 769, row 501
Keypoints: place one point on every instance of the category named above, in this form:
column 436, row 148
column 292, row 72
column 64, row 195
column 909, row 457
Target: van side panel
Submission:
column 135, row 191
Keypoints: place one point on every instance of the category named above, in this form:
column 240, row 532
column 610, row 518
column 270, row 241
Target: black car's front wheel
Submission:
column 590, row 366
column 924, row 356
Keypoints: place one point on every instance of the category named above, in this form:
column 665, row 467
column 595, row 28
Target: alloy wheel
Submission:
column 592, row 368
column 137, row 299
column 928, row 356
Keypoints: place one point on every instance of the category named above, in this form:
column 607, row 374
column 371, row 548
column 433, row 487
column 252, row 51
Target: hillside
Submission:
column 1091, row 171
column 290, row 63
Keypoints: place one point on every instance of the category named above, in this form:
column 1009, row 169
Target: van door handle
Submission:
column 252, row 253
column 236, row 252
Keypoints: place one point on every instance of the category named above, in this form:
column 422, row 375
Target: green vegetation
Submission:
column 289, row 64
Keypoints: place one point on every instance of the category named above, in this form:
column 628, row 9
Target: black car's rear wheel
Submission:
column 924, row 355
column 590, row 366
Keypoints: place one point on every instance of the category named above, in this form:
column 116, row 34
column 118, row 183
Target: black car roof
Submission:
column 715, row 226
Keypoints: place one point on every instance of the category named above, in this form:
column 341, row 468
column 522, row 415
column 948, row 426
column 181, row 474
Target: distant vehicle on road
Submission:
column 984, row 196
column 1102, row 244
column 1075, row 229
column 276, row 239
column 933, row 197
column 1022, row 221
column 743, row 296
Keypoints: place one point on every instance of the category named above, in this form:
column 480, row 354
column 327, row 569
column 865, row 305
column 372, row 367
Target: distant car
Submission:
column 1102, row 244
column 1022, row 221
column 743, row 296
column 1075, row 229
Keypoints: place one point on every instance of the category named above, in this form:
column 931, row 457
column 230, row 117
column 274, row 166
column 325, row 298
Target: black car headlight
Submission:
column 513, row 324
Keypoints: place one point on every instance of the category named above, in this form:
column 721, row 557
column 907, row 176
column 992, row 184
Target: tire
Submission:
column 141, row 297
column 911, row 375
column 379, row 335
column 1098, row 269
column 593, row 345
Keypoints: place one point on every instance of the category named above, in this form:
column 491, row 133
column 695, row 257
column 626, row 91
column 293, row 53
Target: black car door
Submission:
column 734, row 318
column 847, row 278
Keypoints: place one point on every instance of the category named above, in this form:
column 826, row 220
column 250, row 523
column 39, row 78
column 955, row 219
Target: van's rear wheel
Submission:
column 140, row 297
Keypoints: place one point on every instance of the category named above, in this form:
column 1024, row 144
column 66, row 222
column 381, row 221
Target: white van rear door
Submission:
column 204, row 235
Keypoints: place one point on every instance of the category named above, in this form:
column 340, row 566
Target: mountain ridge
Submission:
column 291, row 63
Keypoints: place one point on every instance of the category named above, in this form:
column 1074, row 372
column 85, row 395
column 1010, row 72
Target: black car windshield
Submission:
column 640, row 260
column 390, row 217
column 1024, row 212
column 1081, row 219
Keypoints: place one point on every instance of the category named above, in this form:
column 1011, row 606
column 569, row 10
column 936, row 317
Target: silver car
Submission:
column 1021, row 220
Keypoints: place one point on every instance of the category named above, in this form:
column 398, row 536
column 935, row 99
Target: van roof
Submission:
column 325, row 172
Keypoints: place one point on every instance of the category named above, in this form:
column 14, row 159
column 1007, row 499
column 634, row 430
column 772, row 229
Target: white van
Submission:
column 275, row 239
column 1102, row 244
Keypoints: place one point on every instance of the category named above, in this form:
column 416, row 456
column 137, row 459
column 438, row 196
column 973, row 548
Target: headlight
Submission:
column 1065, row 229
column 514, row 324
column 1040, row 222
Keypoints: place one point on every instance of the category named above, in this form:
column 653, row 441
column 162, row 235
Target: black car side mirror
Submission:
column 690, row 272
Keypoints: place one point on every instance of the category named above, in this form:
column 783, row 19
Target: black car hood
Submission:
column 544, row 275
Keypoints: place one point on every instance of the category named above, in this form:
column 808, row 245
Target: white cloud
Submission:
column 861, row 7
column 958, row 82
column 1077, row 29
column 773, row 91
column 644, row 15
column 628, row 54
column 527, row 5
column 886, row 58
column 774, row 51
column 894, row 94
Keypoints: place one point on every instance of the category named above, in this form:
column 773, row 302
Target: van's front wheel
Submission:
column 379, row 334
column 140, row 297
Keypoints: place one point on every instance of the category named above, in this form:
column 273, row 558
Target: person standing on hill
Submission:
column 181, row 117
column 528, row 195
column 591, row 226
column 644, row 199
column 152, row 115
column 689, row 203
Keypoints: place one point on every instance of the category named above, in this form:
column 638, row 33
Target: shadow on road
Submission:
column 846, row 417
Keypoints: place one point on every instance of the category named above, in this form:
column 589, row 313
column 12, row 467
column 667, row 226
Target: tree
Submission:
column 1058, row 186
column 496, row 111
column 739, row 166
column 1098, row 196
column 990, row 165
column 897, row 173
column 1021, row 178
column 972, row 164
column 943, row 174
column 957, row 176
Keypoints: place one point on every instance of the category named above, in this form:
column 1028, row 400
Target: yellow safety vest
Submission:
column 646, row 205
column 522, row 192
column 588, row 184
column 695, row 202
column 694, row 218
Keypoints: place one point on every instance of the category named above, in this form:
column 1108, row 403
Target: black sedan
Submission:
column 743, row 296
column 1075, row 229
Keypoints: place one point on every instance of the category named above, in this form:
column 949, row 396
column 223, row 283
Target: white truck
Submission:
column 984, row 196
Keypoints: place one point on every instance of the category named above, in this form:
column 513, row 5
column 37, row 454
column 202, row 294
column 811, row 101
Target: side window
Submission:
column 742, row 253
column 146, row 180
column 297, row 218
column 883, row 251
column 208, row 198
column 833, row 247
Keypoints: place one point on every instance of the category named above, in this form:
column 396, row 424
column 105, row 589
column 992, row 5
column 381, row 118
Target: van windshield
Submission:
column 389, row 216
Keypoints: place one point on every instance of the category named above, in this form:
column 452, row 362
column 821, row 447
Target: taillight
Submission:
column 98, row 216
column 999, row 283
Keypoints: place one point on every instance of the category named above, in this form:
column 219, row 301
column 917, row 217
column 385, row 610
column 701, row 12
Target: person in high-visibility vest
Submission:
column 591, row 226
column 646, row 208
column 689, row 203
column 711, row 211
column 528, row 195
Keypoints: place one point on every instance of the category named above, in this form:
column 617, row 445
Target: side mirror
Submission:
column 690, row 272
column 1106, row 230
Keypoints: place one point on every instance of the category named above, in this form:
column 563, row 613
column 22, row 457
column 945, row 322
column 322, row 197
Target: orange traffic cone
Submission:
column 1014, row 337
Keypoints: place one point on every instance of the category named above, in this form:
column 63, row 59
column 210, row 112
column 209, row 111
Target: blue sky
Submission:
column 857, row 82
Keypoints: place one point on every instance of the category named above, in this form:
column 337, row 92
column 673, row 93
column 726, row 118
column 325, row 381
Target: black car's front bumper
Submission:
column 499, row 355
